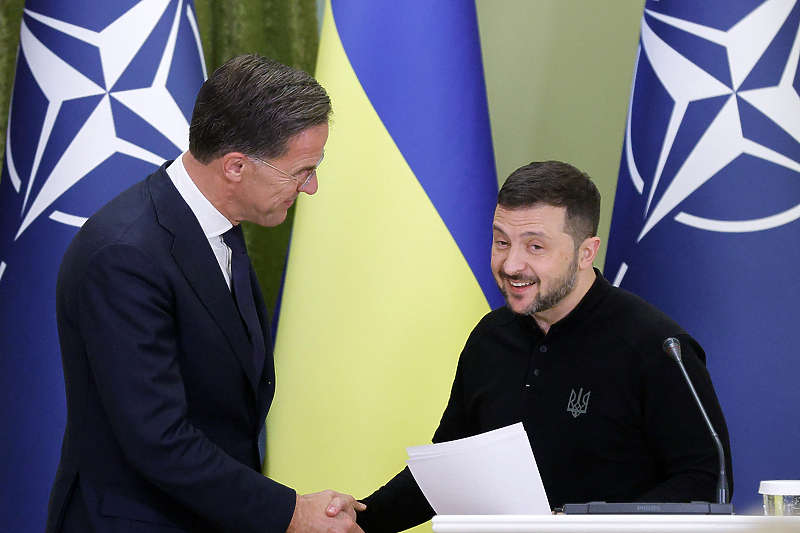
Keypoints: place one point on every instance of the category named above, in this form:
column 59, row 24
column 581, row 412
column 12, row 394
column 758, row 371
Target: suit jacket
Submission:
column 164, row 403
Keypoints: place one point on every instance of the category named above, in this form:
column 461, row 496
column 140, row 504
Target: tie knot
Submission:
column 234, row 238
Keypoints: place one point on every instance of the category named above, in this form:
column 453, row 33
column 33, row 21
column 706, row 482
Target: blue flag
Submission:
column 705, row 220
column 103, row 93
column 420, row 66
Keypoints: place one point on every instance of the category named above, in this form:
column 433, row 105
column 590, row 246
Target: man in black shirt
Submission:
column 578, row 362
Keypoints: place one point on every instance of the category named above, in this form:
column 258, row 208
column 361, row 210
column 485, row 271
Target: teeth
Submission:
column 520, row 284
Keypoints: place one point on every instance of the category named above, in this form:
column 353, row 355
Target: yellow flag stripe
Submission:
column 378, row 303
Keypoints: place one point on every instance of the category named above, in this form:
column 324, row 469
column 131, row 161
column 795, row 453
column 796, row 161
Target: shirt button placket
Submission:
column 535, row 371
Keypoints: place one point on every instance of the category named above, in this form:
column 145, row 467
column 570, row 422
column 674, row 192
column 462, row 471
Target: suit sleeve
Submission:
column 125, row 309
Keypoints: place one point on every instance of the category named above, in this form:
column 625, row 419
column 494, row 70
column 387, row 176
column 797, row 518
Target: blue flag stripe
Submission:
column 420, row 65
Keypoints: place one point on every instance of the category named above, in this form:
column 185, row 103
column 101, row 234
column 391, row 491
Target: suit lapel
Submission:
column 194, row 257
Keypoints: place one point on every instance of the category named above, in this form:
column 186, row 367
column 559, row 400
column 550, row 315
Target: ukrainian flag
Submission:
column 389, row 264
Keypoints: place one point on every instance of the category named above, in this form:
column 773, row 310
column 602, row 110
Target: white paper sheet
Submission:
column 490, row 473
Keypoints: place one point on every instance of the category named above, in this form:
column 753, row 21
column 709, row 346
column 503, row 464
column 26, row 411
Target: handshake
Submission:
column 327, row 512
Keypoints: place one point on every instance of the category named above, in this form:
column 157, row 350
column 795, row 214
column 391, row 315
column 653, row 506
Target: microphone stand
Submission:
column 673, row 349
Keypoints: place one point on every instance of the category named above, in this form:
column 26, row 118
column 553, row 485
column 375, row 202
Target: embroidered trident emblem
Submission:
column 578, row 403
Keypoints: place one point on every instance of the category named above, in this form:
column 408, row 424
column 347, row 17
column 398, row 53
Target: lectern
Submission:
column 639, row 523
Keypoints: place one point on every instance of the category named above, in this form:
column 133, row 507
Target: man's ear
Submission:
column 233, row 164
column 587, row 252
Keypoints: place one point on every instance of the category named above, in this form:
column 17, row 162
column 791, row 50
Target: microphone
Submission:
column 673, row 348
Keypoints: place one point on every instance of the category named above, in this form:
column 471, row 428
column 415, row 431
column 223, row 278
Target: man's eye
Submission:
column 304, row 175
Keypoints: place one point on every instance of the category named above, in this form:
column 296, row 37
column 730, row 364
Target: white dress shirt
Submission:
column 213, row 223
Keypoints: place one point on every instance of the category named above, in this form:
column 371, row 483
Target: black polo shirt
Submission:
column 608, row 414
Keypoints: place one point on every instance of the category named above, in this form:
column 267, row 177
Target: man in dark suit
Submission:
column 165, row 344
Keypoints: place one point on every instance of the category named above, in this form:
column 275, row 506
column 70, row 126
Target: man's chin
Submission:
column 273, row 219
column 517, row 307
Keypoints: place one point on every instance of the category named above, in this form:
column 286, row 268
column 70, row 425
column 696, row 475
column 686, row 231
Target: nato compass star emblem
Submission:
column 93, row 95
column 734, row 101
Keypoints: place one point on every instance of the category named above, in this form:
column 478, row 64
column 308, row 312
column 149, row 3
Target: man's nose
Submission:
column 312, row 186
column 515, row 261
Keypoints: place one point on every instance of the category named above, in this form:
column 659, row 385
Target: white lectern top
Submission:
column 634, row 523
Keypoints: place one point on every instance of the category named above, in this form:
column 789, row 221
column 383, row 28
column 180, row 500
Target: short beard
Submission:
column 563, row 286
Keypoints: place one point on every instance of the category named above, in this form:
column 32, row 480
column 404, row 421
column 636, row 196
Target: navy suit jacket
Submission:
column 164, row 403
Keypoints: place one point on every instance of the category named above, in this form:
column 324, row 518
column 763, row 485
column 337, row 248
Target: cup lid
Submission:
column 780, row 487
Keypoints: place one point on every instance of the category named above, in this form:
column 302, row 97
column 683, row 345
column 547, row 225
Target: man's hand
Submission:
column 325, row 512
column 344, row 503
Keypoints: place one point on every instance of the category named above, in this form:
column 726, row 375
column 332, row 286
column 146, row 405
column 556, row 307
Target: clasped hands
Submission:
column 327, row 511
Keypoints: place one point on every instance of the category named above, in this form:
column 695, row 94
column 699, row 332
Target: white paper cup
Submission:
column 781, row 497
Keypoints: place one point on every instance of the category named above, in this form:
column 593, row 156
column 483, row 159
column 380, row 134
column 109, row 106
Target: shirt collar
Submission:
column 211, row 220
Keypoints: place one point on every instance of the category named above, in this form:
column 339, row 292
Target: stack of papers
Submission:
column 491, row 473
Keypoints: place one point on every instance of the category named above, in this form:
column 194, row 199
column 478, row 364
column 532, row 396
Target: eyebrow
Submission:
column 311, row 167
column 304, row 169
column 526, row 234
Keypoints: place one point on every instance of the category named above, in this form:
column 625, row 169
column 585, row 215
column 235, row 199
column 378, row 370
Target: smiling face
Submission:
column 536, row 264
column 265, row 194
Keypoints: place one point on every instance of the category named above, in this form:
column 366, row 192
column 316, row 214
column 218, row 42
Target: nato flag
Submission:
column 705, row 222
column 103, row 93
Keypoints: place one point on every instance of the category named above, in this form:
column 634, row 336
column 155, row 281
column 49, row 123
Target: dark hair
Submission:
column 254, row 105
column 560, row 185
